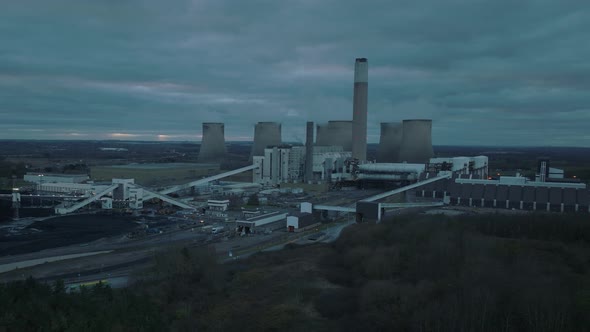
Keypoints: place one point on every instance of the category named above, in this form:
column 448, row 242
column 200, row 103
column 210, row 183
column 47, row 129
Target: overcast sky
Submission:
column 499, row 72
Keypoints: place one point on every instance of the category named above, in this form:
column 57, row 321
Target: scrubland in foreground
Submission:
column 416, row 273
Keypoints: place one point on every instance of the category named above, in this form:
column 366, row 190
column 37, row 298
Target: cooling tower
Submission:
column 308, row 174
column 321, row 137
column 416, row 144
column 335, row 133
column 212, row 143
column 359, row 109
column 265, row 134
column 389, row 142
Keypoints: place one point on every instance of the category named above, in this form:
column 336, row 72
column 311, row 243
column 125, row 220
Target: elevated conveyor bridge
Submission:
column 61, row 209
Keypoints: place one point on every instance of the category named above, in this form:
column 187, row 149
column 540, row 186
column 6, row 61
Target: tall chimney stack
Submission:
column 359, row 109
column 308, row 175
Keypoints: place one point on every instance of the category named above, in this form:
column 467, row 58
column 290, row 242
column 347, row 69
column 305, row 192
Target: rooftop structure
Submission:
column 54, row 177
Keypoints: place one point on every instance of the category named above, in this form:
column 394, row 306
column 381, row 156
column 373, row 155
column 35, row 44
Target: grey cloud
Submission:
column 475, row 67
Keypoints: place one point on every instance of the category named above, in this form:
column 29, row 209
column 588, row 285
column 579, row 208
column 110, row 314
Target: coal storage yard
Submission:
column 61, row 232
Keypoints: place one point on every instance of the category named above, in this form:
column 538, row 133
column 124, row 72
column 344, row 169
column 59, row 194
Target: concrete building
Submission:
column 359, row 109
column 299, row 221
column 285, row 164
column 518, row 193
column 249, row 225
column 72, row 189
column 218, row 205
column 41, row 178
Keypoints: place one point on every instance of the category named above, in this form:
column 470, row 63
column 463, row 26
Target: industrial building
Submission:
column 301, row 220
column 471, row 187
column 44, row 178
column 516, row 193
column 249, row 225
column 285, row 164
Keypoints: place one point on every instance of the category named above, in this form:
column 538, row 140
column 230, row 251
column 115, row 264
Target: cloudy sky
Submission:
column 498, row 72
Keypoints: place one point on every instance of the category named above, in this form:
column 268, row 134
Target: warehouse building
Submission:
column 249, row 225
column 41, row 178
column 299, row 221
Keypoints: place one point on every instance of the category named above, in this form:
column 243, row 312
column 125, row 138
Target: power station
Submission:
column 339, row 150
column 338, row 156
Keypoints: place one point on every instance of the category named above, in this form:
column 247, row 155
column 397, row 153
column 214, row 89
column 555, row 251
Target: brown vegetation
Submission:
column 416, row 273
